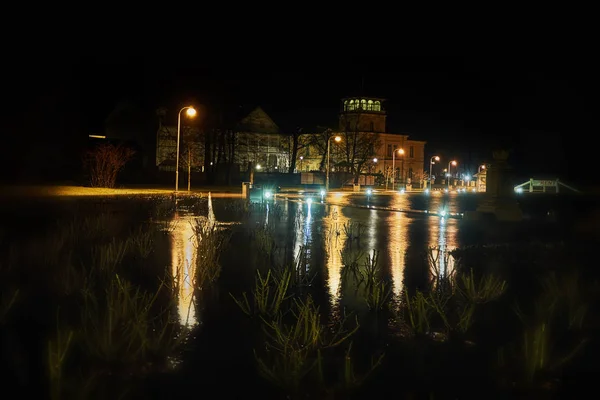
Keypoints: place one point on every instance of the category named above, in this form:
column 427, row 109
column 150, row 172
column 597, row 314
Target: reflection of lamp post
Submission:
column 436, row 158
column 337, row 139
column 191, row 112
column 453, row 162
column 301, row 158
column 401, row 152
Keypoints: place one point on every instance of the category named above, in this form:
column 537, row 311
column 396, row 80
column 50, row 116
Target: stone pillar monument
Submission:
column 499, row 199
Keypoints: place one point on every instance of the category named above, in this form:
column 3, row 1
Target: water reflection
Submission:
column 333, row 225
column 397, row 245
column 443, row 235
column 184, row 250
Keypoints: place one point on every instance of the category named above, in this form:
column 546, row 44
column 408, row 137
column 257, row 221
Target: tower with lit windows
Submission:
column 362, row 114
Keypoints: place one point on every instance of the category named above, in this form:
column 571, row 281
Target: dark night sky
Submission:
column 462, row 106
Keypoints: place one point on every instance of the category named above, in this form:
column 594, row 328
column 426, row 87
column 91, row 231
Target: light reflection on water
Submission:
column 443, row 235
column 184, row 250
column 398, row 241
column 386, row 231
column 333, row 224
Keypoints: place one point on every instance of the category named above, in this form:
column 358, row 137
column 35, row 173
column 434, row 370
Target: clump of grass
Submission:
column 121, row 327
column 269, row 293
column 552, row 334
column 212, row 241
column 488, row 288
column 142, row 241
column 294, row 346
column 57, row 352
column 418, row 311
column 378, row 296
column 264, row 239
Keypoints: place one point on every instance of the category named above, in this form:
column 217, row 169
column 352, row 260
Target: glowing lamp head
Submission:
column 302, row 157
column 483, row 166
column 453, row 163
column 436, row 158
column 191, row 112
column 338, row 138
column 268, row 194
column 258, row 166
column 400, row 151
column 369, row 192
column 374, row 160
column 322, row 193
column 309, row 201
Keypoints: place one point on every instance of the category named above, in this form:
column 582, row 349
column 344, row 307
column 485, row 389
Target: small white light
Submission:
column 309, row 201
column 268, row 194
column 402, row 191
column 519, row 190
column 322, row 193
column 426, row 191
column 442, row 213
column 369, row 192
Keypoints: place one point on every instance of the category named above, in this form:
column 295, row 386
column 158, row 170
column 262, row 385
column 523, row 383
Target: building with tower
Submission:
column 367, row 115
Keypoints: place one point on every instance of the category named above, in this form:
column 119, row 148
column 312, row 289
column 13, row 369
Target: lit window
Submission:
column 377, row 106
column 363, row 104
column 370, row 105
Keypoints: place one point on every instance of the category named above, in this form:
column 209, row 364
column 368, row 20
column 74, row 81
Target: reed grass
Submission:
column 57, row 352
column 487, row 288
column 378, row 296
column 294, row 344
column 419, row 310
column 269, row 293
column 212, row 241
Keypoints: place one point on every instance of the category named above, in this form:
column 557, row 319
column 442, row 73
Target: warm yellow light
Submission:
column 437, row 158
column 453, row 162
column 483, row 167
column 338, row 139
column 374, row 160
column 401, row 151
column 191, row 112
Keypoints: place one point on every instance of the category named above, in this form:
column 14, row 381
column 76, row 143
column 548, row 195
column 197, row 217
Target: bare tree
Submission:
column 359, row 147
column 104, row 163
column 298, row 142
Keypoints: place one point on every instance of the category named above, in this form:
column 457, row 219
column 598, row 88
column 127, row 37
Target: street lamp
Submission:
column 482, row 166
column 436, row 158
column 191, row 112
column 453, row 162
column 401, row 152
column 301, row 158
column 337, row 139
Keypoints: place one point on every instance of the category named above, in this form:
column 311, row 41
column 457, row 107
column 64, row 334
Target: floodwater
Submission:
column 398, row 227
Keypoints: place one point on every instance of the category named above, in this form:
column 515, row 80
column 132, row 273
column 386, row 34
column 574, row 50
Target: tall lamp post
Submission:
column 191, row 112
column 453, row 162
column 481, row 168
column 431, row 162
column 337, row 139
column 301, row 158
column 401, row 152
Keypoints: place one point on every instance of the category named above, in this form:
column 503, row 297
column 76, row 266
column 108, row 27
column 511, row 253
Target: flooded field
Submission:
column 349, row 296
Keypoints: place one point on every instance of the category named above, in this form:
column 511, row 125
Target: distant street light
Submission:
column 436, row 158
column 401, row 152
column 453, row 162
column 191, row 112
column 337, row 139
column 258, row 166
column 301, row 158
